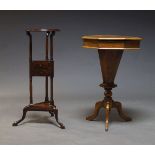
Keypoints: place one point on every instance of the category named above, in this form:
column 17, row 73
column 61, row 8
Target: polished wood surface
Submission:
column 109, row 62
column 42, row 68
column 111, row 37
column 110, row 58
column 111, row 42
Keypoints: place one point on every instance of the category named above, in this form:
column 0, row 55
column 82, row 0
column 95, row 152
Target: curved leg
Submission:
column 52, row 114
column 98, row 106
column 107, row 111
column 23, row 117
column 118, row 106
column 57, row 120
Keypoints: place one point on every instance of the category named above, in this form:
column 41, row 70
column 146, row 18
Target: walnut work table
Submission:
column 42, row 68
column 110, row 50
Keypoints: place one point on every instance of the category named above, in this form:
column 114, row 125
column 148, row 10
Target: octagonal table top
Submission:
column 111, row 42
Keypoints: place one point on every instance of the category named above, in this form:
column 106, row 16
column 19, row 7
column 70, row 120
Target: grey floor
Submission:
column 39, row 128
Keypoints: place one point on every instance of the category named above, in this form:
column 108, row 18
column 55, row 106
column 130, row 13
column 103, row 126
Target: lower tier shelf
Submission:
column 42, row 106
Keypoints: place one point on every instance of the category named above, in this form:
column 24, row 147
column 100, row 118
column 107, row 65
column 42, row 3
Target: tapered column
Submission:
column 109, row 62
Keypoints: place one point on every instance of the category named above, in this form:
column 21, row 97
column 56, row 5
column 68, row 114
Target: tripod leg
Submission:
column 107, row 111
column 118, row 106
column 52, row 114
column 98, row 106
column 57, row 120
column 23, row 117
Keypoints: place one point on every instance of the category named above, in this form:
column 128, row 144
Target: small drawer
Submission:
column 42, row 68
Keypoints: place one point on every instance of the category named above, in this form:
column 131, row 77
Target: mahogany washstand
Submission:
column 43, row 68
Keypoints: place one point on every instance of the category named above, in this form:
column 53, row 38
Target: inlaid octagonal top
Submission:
column 111, row 42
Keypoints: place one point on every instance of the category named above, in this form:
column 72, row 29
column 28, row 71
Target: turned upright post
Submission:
column 110, row 49
column 42, row 68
